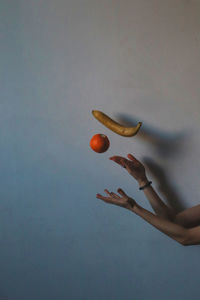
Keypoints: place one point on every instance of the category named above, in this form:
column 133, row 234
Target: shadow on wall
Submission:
column 166, row 145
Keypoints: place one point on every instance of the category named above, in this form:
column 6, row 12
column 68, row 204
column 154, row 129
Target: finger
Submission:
column 107, row 191
column 111, row 194
column 117, row 158
column 121, row 192
column 120, row 160
column 131, row 157
column 99, row 196
column 115, row 195
column 108, row 199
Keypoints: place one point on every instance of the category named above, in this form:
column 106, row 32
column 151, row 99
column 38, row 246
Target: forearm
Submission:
column 169, row 228
column 157, row 204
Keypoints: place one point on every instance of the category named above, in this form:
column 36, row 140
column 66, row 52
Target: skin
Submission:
column 183, row 227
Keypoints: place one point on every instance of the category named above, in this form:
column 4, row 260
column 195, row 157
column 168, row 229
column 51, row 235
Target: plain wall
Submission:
column 136, row 60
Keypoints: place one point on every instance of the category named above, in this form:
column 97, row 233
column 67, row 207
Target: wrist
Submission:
column 136, row 208
column 143, row 181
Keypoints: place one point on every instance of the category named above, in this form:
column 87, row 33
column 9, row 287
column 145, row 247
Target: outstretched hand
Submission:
column 123, row 201
column 133, row 166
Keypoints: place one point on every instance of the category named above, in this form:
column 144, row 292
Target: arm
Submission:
column 175, row 231
column 189, row 217
column 160, row 208
column 137, row 170
column 182, row 235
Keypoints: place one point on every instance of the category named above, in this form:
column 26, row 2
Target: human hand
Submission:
column 124, row 201
column 133, row 166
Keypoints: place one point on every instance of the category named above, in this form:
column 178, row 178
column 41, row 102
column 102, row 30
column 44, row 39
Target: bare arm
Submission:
column 189, row 217
column 175, row 231
column 137, row 170
column 182, row 235
column 160, row 208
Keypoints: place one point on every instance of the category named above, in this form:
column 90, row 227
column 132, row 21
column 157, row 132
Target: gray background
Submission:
column 135, row 60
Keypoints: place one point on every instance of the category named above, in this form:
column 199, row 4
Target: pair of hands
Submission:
column 135, row 169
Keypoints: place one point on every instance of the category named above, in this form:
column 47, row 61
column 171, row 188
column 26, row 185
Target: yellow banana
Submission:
column 114, row 126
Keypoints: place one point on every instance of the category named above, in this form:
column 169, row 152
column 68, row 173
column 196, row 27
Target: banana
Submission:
column 114, row 126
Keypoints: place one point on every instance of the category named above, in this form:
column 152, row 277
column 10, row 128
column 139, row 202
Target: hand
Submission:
column 124, row 201
column 133, row 166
